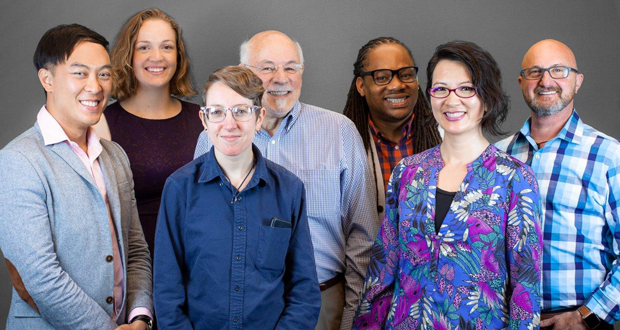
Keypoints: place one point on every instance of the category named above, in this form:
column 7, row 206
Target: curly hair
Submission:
column 125, row 83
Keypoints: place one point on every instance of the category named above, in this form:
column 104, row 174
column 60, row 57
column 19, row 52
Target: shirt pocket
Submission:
column 272, row 249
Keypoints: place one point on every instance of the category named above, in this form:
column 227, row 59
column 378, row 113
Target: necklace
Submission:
column 236, row 191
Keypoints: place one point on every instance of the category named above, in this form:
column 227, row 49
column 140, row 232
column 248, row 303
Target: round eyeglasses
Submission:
column 218, row 114
column 270, row 68
column 383, row 77
column 555, row 72
column 462, row 92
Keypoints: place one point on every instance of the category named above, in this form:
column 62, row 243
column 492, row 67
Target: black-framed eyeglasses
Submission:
column 382, row 77
column 462, row 92
column 218, row 114
column 555, row 72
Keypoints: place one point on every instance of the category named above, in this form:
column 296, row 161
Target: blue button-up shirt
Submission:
column 220, row 264
column 324, row 149
column 579, row 176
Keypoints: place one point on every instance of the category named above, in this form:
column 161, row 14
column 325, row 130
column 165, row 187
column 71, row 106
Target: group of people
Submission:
column 257, row 211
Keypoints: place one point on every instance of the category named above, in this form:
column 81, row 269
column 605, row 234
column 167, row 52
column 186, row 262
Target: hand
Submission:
column 137, row 325
column 565, row 321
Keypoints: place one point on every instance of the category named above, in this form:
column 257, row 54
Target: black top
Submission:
column 443, row 200
column 155, row 148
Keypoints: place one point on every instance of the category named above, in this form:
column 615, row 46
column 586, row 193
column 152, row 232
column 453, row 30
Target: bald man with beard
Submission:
column 578, row 170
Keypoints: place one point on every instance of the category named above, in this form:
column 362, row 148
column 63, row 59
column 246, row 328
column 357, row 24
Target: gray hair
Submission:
column 244, row 52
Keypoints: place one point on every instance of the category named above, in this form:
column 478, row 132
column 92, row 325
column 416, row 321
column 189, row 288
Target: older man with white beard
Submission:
column 324, row 149
column 578, row 170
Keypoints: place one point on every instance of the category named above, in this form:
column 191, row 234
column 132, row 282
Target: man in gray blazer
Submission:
column 69, row 226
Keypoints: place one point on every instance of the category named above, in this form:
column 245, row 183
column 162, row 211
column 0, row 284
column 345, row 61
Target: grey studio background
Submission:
column 330, row 33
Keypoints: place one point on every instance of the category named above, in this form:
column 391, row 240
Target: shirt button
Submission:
column 240, row 227
column 273, row 141
column 109, row 300
column 109, row 258
column 221, row 184
column 238, row 258
column 235, row 319
column 238, row 198
column 537, row 156
column 237, row 288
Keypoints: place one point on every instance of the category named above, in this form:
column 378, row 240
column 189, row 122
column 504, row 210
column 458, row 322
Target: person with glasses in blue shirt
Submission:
column 324, row 149
column 233, row 242
column 578, row 169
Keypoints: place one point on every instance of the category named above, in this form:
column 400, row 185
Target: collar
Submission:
column 292, row 116
column 572, row 132
column 482, row 160
column 406, row 130
column 211, row 170
column 53, row 133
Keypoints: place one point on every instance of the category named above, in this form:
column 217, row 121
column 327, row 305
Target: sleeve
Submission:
column 605, row 300
column 139, row 264
column 27, row 242
column 168, row 285
column 301, row 287
column 524, row 250
column 359, row 217
column 203, row 145
column 382, row 270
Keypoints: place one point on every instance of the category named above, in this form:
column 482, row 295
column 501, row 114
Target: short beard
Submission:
column 550, row 110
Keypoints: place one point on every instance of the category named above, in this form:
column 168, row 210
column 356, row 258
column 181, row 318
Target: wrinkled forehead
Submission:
column 274, row 50
column 548, row 54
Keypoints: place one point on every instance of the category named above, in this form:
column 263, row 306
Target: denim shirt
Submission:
column 221, row 264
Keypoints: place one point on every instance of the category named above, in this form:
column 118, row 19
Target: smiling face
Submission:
column 155, row 54
column 456, row 115
column 547, row 96
column 78, row 89
column 230, row 137
column 393, row 102
column 282, row 90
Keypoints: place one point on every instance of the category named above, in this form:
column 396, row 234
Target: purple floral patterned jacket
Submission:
column 481, row 271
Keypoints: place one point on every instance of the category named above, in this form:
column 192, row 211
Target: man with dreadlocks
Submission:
column 386, row 104
column 323, row 149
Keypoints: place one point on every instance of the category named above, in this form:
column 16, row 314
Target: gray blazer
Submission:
column 54, row 229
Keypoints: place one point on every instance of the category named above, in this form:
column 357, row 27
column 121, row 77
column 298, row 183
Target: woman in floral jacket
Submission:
column 460, row 244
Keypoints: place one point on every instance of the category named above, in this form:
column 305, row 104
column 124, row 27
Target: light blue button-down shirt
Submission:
column 579, row 176
column 324, row 149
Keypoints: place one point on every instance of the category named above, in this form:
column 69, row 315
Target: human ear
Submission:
column 359, row 84
column 45, row 77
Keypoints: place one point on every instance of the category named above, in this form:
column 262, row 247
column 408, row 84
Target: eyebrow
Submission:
column 84, row 66
column 271, row 62
column 459, row 84
column 148, row 42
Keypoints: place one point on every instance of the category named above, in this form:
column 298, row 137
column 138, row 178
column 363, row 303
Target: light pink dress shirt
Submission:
column 53, row 133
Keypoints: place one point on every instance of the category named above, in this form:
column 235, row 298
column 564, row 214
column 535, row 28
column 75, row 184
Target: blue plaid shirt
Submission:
column 324, row 149
column 579, row 176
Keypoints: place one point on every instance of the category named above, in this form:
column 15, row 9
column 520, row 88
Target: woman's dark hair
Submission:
column 485, row 75
column 425, row 136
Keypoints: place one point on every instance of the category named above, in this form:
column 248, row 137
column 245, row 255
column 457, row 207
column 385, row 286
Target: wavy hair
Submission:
column 125, row 83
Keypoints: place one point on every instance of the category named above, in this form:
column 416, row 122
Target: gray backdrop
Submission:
column 331, row 33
